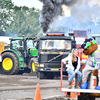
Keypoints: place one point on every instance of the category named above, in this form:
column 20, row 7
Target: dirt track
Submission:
column 23, row 87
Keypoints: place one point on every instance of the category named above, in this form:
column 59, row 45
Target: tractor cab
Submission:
column 25, row 47
column 22, row 44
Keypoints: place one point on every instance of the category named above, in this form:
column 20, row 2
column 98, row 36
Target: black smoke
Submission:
column 51, row 10
column 83, row 16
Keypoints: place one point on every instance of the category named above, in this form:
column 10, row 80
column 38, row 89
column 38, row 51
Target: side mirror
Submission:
column 20, row 42
column 37, row 45
column 73, row 44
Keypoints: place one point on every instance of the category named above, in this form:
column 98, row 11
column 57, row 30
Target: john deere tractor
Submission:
column 22, row 54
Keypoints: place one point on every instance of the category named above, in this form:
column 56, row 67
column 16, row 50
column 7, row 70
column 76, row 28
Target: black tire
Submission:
column 41, row 75
column 32, row 66
column 35, row 60
column 10, row 65
column 86, row 96
column 51, row 77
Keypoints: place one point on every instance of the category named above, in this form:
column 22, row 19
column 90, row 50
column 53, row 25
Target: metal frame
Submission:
column 75, row 90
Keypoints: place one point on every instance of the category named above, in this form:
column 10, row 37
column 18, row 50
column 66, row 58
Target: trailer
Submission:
column 80, row 94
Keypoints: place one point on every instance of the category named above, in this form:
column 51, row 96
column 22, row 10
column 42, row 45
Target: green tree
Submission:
column 25, row 21
column 18, row 20
column 6, row 7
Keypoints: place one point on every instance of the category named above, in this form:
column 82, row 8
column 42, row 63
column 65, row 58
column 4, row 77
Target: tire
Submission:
column 86, row 96
column 35, row 62
column 41, row 75
column 9, row 65
column 51, row 77
column 32, row 66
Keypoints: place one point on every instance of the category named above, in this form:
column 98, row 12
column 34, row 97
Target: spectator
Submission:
column 73, row 67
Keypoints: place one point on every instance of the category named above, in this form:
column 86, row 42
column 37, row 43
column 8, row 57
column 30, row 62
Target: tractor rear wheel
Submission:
column 9, row 64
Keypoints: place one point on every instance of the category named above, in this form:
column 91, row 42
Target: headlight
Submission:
column 41, row 65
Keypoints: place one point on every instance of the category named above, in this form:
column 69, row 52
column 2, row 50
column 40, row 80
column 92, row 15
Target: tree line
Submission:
column 17, row 21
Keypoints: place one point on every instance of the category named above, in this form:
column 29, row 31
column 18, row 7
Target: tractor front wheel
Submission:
column 32, row 66
column 9, row 64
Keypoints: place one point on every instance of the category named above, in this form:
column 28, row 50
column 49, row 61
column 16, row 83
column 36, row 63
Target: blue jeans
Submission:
column 72, row 73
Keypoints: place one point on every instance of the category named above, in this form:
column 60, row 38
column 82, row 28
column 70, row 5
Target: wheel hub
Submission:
column 7, row 63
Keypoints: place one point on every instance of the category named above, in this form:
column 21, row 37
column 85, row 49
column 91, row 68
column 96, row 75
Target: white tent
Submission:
column 5, row 39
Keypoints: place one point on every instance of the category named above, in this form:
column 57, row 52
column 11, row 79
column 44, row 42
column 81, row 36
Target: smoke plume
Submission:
column 51, row 10
column 83, row 14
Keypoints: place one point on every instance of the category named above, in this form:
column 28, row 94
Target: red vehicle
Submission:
column 80, row 36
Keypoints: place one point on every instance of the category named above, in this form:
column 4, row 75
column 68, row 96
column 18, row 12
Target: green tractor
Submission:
column 21, row 55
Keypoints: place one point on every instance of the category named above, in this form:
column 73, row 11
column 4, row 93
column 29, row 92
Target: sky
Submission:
column 28, row 3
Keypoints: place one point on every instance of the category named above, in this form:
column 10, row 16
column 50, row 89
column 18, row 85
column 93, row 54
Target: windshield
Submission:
column 17, row 44
column 55, row 44
column 79, row 40
column 30, row 44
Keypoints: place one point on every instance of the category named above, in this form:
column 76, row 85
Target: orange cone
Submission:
column 72, row 95
column 37, row 94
